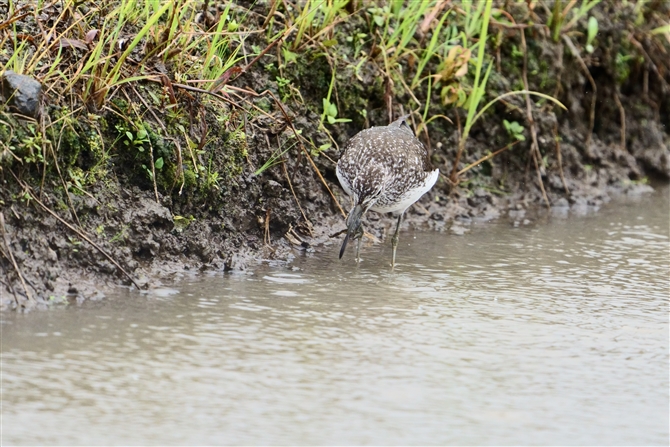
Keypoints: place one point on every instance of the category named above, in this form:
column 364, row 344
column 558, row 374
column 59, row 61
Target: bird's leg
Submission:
column 359, row 235
column 394, row 239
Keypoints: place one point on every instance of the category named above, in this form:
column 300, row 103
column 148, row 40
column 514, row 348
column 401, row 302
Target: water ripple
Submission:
column 552, row 335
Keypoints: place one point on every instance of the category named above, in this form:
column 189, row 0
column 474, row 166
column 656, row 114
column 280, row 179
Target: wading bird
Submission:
column 384, row 169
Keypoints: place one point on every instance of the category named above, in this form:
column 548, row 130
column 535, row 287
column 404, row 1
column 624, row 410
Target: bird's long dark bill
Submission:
column 353, row 225
column 344, row 244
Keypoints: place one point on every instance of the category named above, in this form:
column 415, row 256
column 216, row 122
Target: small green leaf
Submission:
column 289, row 56
column 592, row 30
column 129, row 135
column 159, row 163
column 661, row 29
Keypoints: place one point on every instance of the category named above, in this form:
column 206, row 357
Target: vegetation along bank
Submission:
column 143, row 140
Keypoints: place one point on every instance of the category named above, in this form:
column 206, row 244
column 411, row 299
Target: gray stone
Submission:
column 21, row 92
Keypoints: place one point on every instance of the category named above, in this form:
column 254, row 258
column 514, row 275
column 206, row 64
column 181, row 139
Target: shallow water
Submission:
column 549, row 334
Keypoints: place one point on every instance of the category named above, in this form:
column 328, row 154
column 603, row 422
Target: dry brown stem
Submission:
column 559, row 157
column 454, row 169
column 76, row 230
column 585, row 69
column 622, row 118
column 10, row 255
column 534, row 147
column 290, row 185
column 486, row 157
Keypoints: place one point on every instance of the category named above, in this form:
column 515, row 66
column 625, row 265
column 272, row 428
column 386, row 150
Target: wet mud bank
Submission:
column 249, row 177
column 141, row 236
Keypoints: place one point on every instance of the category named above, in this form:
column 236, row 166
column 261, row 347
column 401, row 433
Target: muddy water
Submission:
column 550, row 333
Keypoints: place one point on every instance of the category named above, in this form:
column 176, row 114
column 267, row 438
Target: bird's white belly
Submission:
column 409, row 198
column 343, row 182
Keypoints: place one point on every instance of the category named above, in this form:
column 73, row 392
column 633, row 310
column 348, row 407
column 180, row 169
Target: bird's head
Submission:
column 354, row 229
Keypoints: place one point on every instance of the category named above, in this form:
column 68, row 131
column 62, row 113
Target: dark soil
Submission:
column 286, row 211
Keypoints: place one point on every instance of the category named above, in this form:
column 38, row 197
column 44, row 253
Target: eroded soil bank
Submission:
column 102, row 219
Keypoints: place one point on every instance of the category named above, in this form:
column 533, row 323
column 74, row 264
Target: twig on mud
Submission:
column 273, row 9
column 622, row 117
column 483, row 159
column 247, row 100
column 585, row 69
column 153, row 170
column 423, row 209
column 5, row 239
column 15, row 17
column 266, row 234
column 559, row 157
column 454, row 173
column 648, row 58
column 79, row 232
column 534, row 147
column 339, row 233
column 290, row 185
column 367, row 235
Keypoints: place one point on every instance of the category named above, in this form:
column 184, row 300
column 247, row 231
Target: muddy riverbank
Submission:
column 159, row 180
column 537, row 335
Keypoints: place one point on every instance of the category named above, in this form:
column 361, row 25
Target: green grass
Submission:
column 137, row 70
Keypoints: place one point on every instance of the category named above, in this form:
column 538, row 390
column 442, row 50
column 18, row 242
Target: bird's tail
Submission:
column 353, row 225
